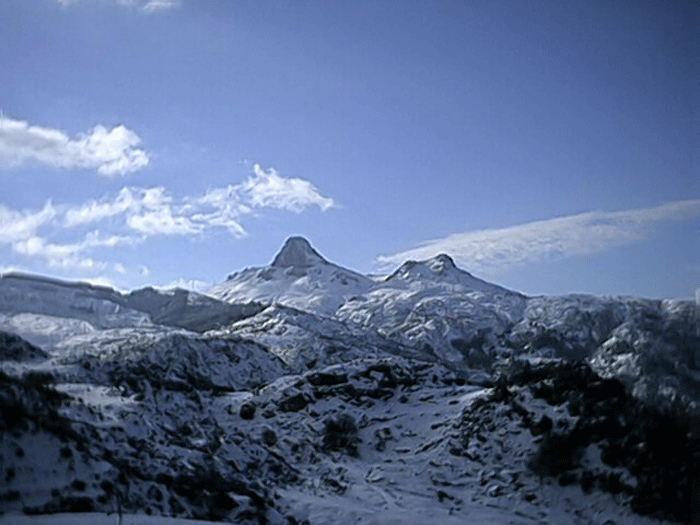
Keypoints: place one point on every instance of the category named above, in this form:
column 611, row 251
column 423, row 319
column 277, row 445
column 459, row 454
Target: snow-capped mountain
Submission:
column 307, row 392
column 298, row 277
column 99, row 306
column 442, row 272
column 45, row 311
column 438, row 307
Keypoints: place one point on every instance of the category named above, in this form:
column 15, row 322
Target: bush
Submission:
column 341, row 433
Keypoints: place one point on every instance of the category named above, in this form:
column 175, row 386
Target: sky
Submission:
column 550, row 147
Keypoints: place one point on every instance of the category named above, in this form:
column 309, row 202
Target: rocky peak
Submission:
column 441, row 263
column 297, row 252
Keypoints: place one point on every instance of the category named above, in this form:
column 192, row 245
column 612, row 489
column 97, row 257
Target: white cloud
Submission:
column 220, row 207
column 134, row 215
column 153, row 211
column 18, row 225
column 151, row 6
column 495, row 250
column 145, row 211
column 266, row 189
column 94, row 211
column 162, row 222
column 148, row 6
column 56, row 255
column 109, row 151
column 70, row 255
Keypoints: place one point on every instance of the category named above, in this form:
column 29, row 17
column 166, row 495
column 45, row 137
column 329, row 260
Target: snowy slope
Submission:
column 95, row 518
column 436, row 306
column 99, row 306
column 305, row 392
column 431, row 306
column 304, row 340
column 652, row 346
column 370, row 441
column 186, row 309
column 45, row 311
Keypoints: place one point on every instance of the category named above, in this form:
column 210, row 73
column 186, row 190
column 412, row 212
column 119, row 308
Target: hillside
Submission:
column 303, row 391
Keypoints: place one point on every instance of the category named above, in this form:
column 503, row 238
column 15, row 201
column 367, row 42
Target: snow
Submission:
column 298, row 277
column 95, row 518
column 221, row 402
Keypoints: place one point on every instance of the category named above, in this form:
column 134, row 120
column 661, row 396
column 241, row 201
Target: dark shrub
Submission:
column 341, row 433
column 247, row 411
column 269, row 437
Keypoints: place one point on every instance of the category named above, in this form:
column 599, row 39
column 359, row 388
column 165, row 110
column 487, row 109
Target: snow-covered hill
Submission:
column 99, row 306
column 45, row 311
column 440, row 308
column 307, row 392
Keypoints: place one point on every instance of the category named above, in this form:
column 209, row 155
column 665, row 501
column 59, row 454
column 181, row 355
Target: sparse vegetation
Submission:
column 341, row 434
column 659, row 448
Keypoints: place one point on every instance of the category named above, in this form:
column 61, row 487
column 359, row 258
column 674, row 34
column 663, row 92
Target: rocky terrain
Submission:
column 303, row 392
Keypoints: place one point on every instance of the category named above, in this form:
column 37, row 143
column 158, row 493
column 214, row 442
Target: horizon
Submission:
column 549, row 149
column 203, row 288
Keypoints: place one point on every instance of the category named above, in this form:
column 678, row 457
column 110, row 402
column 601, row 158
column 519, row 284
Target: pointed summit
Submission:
column 297, row 252
column 298, row 277
column 441, row 263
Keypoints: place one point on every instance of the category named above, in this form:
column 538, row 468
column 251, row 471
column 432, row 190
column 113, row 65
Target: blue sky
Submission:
column 549, row 146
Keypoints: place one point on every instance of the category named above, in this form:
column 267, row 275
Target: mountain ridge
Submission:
column 309, row 392
column 299, row 276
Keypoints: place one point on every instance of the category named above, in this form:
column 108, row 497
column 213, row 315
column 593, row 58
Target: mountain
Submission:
column 100, row 306
column 45, row 310
column 186, row 309
column 304, row 392
column 441, row 271
column 298, row 277
column 436, row 306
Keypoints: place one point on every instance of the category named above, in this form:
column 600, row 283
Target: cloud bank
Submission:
column 110, row 152
column 492, row 251
column 134, row 215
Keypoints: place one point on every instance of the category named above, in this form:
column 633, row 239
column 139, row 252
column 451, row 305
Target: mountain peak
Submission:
column 441, row 266
column 297, row 252
column 441, row 263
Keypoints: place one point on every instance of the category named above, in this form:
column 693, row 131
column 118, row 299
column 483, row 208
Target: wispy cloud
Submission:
column 94, row 211
column 152, row 6
column 493, row 251
column 110, row 152
column 16, row 225
column 70, row 255
column 268, row 189
column 147, row 6
column 134, row 215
